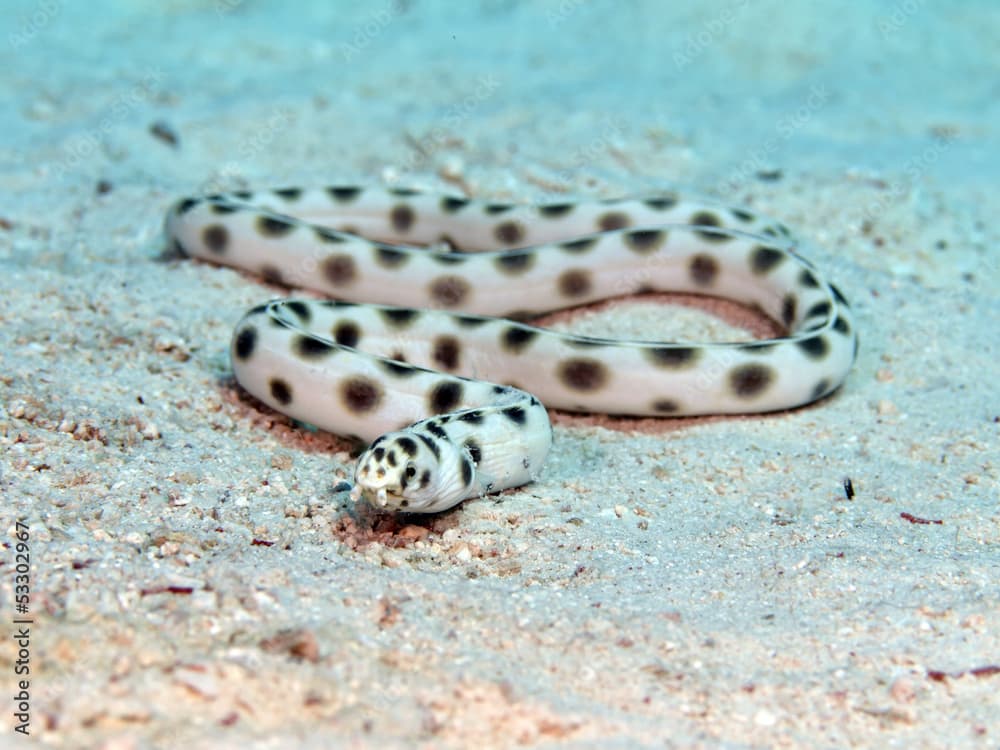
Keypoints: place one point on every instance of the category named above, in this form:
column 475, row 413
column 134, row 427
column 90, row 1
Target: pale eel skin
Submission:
column 422, row 355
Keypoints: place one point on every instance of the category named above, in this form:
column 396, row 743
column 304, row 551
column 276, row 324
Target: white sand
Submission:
column 664, row 583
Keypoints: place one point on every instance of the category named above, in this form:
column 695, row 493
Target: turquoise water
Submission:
column 870, row 83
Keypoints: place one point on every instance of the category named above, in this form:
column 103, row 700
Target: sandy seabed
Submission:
column 195, row 582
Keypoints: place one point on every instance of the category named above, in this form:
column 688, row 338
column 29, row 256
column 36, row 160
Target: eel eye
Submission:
column 411, row 471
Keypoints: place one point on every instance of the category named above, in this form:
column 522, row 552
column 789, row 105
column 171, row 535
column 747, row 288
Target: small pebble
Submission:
column 902, row 690
column 198, row 680
column 299, row 643
column 765, row 718
column 163, row 132
column 413, row 532
column 886, row 407
column 281, row 461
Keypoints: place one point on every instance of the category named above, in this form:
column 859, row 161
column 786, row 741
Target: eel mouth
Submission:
column 379, row 497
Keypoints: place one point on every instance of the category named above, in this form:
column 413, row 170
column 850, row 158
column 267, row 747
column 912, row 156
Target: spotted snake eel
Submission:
column 421, row 352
